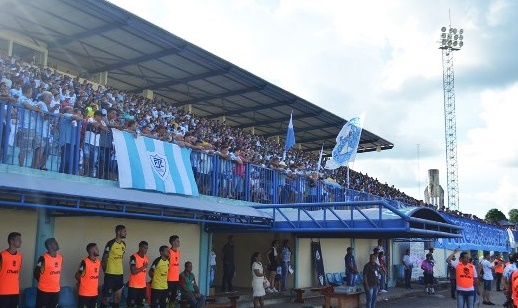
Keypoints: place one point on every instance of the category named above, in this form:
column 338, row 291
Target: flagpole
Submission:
column 348, row 175
column 319, row 163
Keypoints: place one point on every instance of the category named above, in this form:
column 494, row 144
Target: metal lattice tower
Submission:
column 451, row 40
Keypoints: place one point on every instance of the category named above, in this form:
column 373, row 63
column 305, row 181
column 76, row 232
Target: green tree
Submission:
column 495, row 215
column 513, row 216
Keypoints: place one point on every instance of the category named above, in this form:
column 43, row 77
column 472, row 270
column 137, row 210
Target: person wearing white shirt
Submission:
column 379, row 246
column 487, row 266
column 407, row 262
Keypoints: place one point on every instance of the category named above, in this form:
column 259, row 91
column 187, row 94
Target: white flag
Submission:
column 346, row 144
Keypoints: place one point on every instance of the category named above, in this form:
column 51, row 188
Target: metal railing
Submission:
column 58, row 143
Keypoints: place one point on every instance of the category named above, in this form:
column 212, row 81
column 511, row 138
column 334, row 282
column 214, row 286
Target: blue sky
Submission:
column 381, row 58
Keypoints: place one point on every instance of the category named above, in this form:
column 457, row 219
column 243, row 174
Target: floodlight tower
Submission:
column 451, row 40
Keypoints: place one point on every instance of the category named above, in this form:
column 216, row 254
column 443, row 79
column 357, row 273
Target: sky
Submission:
column 382, row 58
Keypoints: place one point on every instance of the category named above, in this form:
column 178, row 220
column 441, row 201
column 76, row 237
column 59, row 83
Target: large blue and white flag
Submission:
column 290, row 135
column 146, row 163
column 346, row 144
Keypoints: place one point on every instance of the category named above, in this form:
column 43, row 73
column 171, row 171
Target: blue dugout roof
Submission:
column 363, row 219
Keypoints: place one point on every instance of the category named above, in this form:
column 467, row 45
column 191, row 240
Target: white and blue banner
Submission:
column 146, row 163
column 346, row 144
column 290, row 135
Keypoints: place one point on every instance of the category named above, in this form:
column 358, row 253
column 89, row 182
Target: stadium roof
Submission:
column 93, row 36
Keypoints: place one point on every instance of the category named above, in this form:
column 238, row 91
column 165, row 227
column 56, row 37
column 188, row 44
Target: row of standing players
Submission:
column 166, row 286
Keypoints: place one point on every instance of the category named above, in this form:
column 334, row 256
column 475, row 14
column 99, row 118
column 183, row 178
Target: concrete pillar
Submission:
column 44, row 230
column 148, row 93
column 252, row 130
column 10, row 48
column 189, row 108
column 45, row 57
column 204, row 266
column 103, row 78
column 223, row 119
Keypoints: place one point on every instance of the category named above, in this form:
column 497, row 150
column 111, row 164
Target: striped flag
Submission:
column 290, row 135
column 151, row 164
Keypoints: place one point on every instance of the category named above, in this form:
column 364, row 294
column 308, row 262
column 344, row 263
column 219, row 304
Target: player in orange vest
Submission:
column 499, row 270
column 10, row 265
column 466, row 277
column 137, row 280
column 514, row 287
column 173, row 274
column 87, row 277
column 48, row 274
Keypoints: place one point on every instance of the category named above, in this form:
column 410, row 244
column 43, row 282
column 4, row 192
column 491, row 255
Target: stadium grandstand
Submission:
column 82, row 80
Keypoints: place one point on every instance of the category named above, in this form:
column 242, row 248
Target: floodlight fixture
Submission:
column 451, row 38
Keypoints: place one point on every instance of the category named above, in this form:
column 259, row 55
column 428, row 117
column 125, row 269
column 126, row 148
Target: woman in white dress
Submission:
column 257, row 279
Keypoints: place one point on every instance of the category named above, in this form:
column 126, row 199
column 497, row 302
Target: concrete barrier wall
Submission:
column 24, row 222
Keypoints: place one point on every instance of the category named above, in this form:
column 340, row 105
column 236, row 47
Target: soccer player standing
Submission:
column 159, row 284
column 173, row 274
column 48, row 274
column 87, row 277
column 137, row 280
column 113, row 268
column 10, row 265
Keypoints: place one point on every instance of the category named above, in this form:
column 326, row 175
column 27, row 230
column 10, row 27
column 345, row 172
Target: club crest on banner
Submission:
column 159, row 163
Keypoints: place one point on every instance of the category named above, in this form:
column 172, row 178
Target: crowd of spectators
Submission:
column 100, row 106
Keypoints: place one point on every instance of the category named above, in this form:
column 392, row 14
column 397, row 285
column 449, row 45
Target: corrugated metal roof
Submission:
column 94, row 36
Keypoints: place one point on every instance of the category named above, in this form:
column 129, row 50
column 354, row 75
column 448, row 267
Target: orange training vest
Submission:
column 138, row 280
column 89, row 282
column 50, row 273
column 499, row 267
column 173, row 274
column 10, row 273
column 464, row 275
column 514, row 287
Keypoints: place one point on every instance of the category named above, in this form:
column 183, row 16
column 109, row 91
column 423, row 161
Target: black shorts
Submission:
column 428, row 279
column 10, row 301
column 112, row 283
column 159, row 298
column 47, row 299
column 136, row 297
column 86, row 301
column 173, row 287
column 272, row 267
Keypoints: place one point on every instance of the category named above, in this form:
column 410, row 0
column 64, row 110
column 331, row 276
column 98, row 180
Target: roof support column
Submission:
column 44, row 230
column 189, row 108
column 45, row 57
column 252, row 130
column 148, row 94
column 223, row 119
column 10, row 48
column 103, row 78
column 204, row 262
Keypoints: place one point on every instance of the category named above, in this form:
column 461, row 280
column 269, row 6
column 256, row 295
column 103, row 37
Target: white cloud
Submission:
column 381, row 57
